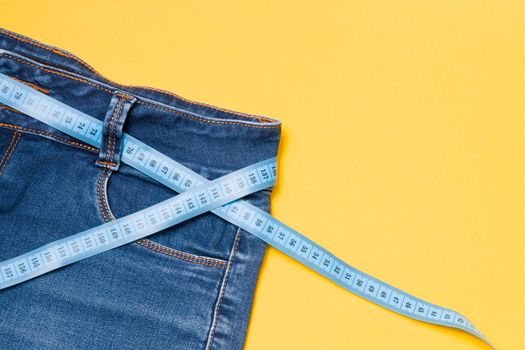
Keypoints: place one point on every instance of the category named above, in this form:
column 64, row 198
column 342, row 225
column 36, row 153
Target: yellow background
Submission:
column 403, row 144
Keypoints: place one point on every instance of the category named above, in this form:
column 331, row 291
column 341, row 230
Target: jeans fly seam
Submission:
column 83, row 81
column 223, row 290
column 9, row 151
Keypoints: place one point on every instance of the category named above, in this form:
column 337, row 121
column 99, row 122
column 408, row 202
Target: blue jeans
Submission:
column 187, row 287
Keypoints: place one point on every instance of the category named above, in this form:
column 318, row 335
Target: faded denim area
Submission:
column 187, row 287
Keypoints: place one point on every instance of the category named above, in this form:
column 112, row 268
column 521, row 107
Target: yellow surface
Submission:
column 411, row 111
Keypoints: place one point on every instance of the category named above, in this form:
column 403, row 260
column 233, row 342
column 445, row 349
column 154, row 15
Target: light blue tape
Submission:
column 241, row 213
column 132, row 227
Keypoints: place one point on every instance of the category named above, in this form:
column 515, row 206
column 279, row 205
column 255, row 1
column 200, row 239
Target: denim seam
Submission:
column 13, row 139
column 9, row 151
column 107, row 163
column 46, row 47
column 89, row 67
column 225, row 122
column 195, row 103
column 32, row 85
column 102, row 197
column 43, row 133
column 57, row 73
column 224, row 285
column 146, row 243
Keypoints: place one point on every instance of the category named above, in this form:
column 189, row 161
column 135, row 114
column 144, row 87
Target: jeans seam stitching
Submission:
column 146, row 243
column 107, row 163
column 13, row 139
column 223, row 290
column 32, row 85
column 22, row 129
column 45, row 69
column 9, row 151
column 102, row 198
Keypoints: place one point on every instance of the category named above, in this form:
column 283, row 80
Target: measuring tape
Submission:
column 198, row 195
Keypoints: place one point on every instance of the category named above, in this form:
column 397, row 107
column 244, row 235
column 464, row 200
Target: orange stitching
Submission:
column 169, row 93
column 13, row 139
column 206, row 120
column 10, row 150
column 34, row 86
column 34, row 131
column 124, row 96
column 114, row 133
column 46, row 47
column 58, row 73
column 180, row 255
column 147, row 103
column 10, row 109
column 226, row 277
column 106, row 163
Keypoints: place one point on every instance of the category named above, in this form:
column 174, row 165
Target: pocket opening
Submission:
column 107, row 213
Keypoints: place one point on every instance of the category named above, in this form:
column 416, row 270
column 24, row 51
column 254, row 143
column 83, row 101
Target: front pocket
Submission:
column 205, row 240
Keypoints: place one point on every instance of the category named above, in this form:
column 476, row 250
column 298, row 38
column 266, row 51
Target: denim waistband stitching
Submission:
column 63, row 53
column 143, row 102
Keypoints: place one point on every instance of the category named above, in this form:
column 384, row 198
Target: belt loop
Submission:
column 111, row 147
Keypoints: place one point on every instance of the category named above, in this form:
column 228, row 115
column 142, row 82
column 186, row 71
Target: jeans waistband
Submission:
column 196, row 134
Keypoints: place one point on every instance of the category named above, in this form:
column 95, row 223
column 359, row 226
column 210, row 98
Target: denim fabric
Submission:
column 187, row 287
